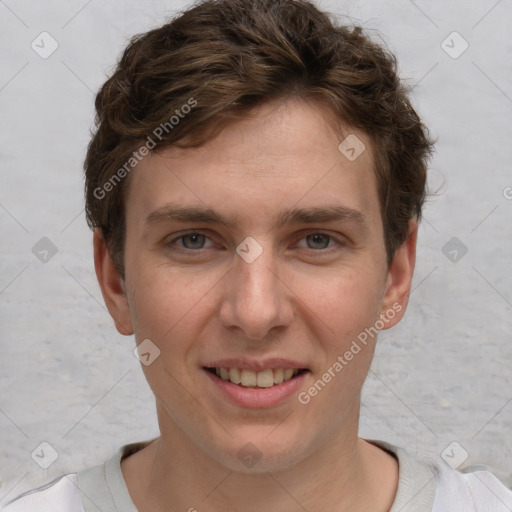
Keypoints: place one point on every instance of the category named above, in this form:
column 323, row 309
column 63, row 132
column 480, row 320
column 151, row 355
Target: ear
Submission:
column 112, row 285
column 399, row 279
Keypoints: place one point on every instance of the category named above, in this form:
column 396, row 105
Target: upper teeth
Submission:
column 263, row 379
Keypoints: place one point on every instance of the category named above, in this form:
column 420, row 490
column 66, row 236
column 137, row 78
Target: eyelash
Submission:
column 327, row 250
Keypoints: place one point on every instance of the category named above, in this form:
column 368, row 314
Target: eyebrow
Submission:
column 192, row 214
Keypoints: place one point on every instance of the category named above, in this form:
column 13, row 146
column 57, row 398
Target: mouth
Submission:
column 264, row 379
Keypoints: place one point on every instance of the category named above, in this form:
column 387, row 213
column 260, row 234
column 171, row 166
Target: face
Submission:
column 258, row 258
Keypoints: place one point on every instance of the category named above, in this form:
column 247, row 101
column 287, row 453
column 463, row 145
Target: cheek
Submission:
column 345, row 304
column 169, row 308
column 169, row 304
column 343, row 313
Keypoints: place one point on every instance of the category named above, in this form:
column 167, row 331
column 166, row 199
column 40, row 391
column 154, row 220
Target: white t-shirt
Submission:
column 429, row 485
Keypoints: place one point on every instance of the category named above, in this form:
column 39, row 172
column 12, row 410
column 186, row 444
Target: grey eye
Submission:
column 196, row 240
column 320, row 241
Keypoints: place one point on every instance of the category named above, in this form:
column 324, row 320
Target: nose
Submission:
column 256, row 298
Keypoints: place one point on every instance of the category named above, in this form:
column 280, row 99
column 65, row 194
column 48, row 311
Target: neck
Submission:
column 346, row 473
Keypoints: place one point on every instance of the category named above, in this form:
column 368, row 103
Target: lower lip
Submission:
column 257, row 398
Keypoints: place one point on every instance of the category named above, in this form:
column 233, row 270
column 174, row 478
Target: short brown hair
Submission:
column 226, row 57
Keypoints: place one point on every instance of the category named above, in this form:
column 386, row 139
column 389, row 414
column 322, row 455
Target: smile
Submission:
column 256, row 383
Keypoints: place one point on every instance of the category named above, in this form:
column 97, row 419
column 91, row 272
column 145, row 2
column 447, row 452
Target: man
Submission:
column 255, row 185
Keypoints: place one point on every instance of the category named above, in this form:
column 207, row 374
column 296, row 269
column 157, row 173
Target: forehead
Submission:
column 283, row 154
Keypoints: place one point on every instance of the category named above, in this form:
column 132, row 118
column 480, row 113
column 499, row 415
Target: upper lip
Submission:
column 256, row 365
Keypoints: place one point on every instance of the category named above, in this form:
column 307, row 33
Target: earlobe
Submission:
column 112, row 286
column 399, row 278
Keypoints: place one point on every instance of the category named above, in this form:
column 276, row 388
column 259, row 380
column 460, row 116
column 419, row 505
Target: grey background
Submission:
column 67, row 378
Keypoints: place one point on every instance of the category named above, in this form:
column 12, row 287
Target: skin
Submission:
column 291, row 302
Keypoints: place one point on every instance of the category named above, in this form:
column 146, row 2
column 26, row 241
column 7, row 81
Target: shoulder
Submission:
column 60, row 494
column 473, row 490
column 430, row 484
column 100, row 487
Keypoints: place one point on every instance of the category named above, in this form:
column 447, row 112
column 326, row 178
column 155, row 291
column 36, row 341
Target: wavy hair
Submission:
column 233, row 55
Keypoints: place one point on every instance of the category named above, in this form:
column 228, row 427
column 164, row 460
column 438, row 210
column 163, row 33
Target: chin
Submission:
column 261, row 452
